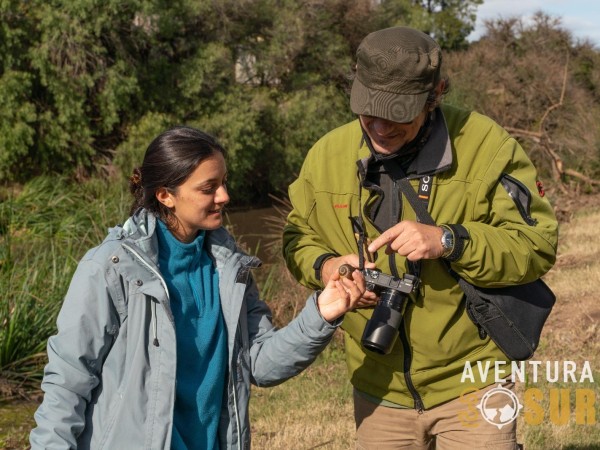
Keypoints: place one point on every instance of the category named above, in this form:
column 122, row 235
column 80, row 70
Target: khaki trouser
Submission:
column 456, row 425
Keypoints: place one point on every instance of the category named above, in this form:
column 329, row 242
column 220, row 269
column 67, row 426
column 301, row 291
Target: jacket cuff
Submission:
column 319, row 264
column 325, row 324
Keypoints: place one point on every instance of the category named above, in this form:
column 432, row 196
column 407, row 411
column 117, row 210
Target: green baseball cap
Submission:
column 396, row 68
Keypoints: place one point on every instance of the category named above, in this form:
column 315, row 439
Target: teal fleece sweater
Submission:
column 201, row 340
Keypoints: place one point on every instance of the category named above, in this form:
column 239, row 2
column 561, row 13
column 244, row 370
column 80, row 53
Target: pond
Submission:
column 258, row 230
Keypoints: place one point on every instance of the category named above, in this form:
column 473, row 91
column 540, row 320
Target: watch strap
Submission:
column 461, row 235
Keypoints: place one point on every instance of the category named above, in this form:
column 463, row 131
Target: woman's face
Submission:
column 198, row 202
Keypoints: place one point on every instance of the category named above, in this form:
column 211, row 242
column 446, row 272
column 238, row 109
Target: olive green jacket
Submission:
column 511, row 242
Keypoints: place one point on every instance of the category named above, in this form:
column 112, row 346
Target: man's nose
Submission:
column 383, row 126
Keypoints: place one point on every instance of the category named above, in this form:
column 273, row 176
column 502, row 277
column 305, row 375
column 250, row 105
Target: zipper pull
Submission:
column 419, row 406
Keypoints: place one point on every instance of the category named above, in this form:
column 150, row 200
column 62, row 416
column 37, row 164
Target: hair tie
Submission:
column 136, row 176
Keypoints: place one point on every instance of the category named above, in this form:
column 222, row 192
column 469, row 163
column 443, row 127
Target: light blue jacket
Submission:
column 110, row 379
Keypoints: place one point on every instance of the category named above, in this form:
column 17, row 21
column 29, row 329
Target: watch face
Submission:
column 447, row 241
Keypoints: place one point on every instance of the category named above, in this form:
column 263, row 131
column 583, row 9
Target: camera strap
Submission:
column 421, row 202
column 418, row 202
column 358, row 227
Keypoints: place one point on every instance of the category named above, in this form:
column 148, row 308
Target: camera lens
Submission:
column 381, row 330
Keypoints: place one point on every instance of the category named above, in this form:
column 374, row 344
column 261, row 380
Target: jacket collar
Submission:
column 434, row 157
column 436, row 154
column 141, row 226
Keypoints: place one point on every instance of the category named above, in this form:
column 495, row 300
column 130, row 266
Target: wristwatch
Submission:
column 447, row 241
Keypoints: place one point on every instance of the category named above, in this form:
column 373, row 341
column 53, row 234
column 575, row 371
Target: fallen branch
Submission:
column 574, row 173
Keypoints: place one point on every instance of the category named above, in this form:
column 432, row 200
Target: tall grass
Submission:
column 30, row 301
column 44, row 230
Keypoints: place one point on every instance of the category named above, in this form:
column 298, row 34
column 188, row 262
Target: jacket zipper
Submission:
column 237, row 415
column 235, row 403
column 508, row 183
column 149, row 267
column 406, row 349
column 402, row 331
column 407, row 362
column 153, row 305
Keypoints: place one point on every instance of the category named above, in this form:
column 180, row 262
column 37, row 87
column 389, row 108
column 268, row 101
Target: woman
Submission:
column 162, row 329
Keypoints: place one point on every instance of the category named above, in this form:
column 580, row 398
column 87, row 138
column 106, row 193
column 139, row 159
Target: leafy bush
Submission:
column 542, row 86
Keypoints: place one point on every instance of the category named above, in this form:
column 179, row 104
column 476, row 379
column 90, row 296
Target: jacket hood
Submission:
column 140, row 230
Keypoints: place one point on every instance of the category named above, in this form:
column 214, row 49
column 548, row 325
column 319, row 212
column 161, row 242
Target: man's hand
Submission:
column 330, row 269
column 411, row 239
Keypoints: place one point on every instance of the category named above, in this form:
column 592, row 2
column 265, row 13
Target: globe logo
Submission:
column 503, row 415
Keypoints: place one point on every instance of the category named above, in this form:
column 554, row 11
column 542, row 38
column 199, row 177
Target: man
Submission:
column 348, row 208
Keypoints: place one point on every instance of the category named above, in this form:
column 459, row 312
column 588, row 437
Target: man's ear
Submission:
column 165, row 197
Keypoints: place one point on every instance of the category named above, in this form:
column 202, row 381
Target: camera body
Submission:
column 381, row 330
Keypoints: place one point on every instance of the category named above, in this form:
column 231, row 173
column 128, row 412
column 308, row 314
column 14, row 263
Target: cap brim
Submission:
column 387, row 105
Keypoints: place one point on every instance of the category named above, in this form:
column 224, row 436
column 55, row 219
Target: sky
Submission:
column 581, row 17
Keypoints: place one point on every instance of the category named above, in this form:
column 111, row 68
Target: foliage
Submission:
column 448, row 21
column 85, row 84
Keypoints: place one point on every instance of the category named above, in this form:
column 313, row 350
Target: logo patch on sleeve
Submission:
column 540, row 188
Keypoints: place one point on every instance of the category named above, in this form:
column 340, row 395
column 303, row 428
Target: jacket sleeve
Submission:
column 514, row 232
column 279, row 354
column 86, row 324
column 302, row 246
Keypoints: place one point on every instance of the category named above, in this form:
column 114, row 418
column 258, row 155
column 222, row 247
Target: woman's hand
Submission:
column 331, row 267
column 340, row 295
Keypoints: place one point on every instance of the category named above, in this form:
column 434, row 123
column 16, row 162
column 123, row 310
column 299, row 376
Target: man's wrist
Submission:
column 459, row 236
column 448, row 240
column 320, row 262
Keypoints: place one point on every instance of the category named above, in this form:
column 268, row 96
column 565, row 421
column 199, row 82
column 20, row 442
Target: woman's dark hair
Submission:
column 169, row 160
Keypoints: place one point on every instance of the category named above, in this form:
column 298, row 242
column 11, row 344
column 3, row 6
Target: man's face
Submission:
column 389, row 137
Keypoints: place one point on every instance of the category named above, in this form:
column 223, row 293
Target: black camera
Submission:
column 381, row 330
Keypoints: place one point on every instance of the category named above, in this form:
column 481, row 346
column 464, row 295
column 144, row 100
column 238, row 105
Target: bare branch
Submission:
column 575, row 174
column 562, row 95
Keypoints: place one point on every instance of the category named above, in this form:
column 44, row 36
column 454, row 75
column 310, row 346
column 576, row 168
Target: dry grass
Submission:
column 314, row 410
column 572, row 330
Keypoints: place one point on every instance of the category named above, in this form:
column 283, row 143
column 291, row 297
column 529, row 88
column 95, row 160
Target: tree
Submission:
column 447, row 21
column 542, row 86
column 81, row 81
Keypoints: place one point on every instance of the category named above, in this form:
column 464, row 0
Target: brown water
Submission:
column 253, row 231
